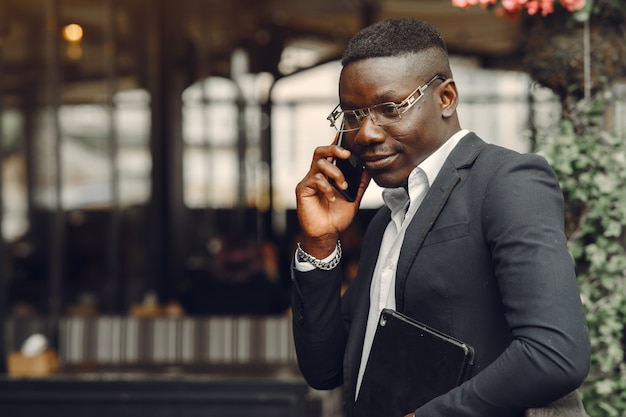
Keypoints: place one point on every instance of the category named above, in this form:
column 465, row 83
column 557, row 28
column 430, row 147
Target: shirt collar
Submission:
column 432, row 165
column 397, row 199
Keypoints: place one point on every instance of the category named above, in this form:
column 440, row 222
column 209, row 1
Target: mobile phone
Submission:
column 352, row 169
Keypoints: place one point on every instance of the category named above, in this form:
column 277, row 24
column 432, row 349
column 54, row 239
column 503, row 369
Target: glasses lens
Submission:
column 351, row 121
column 382, row 114
column 385, row 113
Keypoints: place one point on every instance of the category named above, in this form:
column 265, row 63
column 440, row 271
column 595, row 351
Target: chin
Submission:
column 386, row 182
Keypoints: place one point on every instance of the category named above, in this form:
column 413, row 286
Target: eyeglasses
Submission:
column 381, row 114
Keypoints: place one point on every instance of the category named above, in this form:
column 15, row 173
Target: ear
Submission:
column 449, row 98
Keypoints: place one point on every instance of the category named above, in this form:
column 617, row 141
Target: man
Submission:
column 470, row 240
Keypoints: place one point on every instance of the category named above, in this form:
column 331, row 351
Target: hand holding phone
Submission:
column 352, row 169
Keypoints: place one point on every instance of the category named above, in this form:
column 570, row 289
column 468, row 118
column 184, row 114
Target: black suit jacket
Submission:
column 484, row 260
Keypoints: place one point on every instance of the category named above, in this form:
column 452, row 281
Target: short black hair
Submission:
column 393, row 37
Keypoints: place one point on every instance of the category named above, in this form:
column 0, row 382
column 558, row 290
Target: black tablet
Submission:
column 409, row 364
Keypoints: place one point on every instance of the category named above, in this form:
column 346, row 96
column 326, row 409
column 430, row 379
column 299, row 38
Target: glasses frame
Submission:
column 400, row 108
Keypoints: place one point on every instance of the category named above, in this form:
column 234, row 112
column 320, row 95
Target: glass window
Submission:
column 86, row 153
column 222, row 154
column 132, row 119
column 13, row 175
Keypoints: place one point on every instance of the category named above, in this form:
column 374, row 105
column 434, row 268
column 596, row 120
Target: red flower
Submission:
column 573, row 5
column 464, row 4
column 513, row 8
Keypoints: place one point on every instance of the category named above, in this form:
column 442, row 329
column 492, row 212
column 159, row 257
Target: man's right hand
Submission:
column 322, row 211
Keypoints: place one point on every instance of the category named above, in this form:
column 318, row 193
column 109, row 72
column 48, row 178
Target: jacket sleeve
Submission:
column 522, row 221
column 319, row 334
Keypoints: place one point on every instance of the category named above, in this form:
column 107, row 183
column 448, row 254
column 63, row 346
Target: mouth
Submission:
column 378, row 162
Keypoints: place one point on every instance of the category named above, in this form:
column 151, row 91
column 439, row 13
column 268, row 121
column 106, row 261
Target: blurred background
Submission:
column 149, row 153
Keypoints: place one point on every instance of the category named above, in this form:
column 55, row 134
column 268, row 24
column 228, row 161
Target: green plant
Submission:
column 590, row 163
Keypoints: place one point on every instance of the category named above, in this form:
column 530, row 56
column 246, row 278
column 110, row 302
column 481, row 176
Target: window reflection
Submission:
column 13, row 175
column 87, row 177
column 221, row 146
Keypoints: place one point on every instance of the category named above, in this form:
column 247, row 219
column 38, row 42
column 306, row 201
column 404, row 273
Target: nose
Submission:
column 369, row 133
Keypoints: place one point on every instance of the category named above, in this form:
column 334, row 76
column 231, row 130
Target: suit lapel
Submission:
column 462, row 156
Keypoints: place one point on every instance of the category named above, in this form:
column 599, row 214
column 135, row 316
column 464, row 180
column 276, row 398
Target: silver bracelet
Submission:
column 326, row 266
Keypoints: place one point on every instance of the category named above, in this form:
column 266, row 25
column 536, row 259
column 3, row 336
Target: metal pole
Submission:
column 53, row 103
column 113, row 239
column 4, row 280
